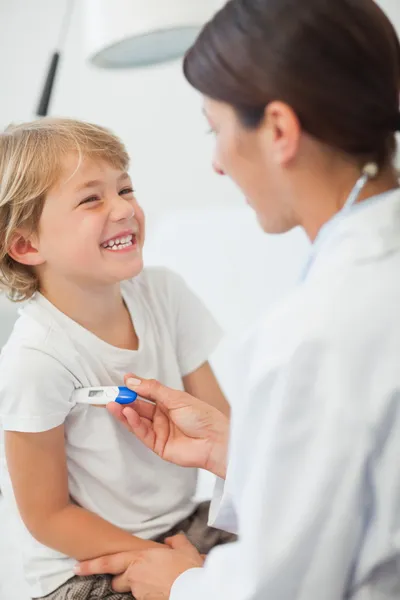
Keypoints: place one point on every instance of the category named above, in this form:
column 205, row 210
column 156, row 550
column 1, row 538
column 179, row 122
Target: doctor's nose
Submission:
column 217, row 168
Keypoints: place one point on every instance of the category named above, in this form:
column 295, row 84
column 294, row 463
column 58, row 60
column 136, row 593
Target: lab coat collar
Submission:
column 367, row 231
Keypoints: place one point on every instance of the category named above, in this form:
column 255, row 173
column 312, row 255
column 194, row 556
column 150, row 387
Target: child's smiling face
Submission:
column 91, row 230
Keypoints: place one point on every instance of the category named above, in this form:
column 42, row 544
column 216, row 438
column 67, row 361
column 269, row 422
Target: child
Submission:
column 72, row 239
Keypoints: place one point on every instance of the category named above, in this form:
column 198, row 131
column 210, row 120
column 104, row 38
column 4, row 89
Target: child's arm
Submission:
column 38, row 470
column 196, row 336
column 203, row 384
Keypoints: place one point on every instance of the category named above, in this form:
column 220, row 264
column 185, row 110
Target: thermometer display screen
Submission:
column 94, row 393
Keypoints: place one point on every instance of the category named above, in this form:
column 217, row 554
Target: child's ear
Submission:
column 24, row 249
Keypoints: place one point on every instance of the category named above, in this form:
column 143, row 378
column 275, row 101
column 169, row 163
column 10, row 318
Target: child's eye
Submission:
column 126, row 191
column 89, row 200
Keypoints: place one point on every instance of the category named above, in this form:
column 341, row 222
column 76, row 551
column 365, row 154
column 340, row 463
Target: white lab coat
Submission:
column 313, row 485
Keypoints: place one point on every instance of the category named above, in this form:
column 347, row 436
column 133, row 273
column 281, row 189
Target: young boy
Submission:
column 71, row 244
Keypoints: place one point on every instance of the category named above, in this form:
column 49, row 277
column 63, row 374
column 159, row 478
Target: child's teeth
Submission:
column 119, row 243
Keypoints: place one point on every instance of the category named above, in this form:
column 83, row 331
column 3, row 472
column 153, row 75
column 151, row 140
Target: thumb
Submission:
column 120, row 583
column 153, row 390
column 180, row 542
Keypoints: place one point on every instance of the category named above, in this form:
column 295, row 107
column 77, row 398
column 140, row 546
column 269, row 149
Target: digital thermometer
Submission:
column 103, row 395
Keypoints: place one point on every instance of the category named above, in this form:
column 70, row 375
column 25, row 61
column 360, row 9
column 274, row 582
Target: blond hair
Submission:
column 31, row 163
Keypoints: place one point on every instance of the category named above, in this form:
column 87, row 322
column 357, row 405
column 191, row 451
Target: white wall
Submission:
column 155, row 111
column 392, row 9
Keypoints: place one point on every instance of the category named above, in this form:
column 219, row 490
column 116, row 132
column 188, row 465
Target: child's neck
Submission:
column 100, row 310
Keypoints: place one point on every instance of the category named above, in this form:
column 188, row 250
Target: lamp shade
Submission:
column 134, row 33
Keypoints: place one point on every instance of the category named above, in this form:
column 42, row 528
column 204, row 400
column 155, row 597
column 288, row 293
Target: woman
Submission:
column 303, row 98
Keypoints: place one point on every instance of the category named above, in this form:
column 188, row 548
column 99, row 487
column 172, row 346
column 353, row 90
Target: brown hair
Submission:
column 31, row 162
column 335, row 62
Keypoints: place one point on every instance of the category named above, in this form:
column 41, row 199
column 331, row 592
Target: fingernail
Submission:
column 132, row 382
column 77, row 569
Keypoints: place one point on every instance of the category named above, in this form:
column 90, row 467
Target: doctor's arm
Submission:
column 292, row 464
column 296, row 468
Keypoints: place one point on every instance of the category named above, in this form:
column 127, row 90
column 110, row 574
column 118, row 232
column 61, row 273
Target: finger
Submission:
column 121, row 584
column 120, row 412
column 180, row 542
column 113, row 564
column 134, row 420
column 153, row 390
column 141, row 427
column 131, row 417
column 115, row 410
column 162, row 429
column 144, row 409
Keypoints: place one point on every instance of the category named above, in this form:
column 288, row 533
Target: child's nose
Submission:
column 122, row 209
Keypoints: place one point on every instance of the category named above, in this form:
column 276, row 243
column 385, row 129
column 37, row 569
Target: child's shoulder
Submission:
column 36, row 378
column 36, row 342
column 27, row 332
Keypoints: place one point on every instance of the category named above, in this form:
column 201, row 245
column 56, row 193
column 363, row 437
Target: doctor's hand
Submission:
column 148, row 574
column 181, row 429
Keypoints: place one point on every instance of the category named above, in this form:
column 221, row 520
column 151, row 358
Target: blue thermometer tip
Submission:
column 125, row 396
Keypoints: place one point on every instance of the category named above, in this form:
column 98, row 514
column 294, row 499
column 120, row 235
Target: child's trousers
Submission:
column 98, row 587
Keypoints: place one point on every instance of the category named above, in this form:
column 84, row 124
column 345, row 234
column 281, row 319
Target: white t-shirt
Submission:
column 110, row 472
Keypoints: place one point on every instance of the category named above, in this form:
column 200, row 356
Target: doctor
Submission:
column 303, row 97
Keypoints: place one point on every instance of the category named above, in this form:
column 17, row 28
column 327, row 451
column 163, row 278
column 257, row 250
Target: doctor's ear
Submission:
column 24, row 249
column 285, row 129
